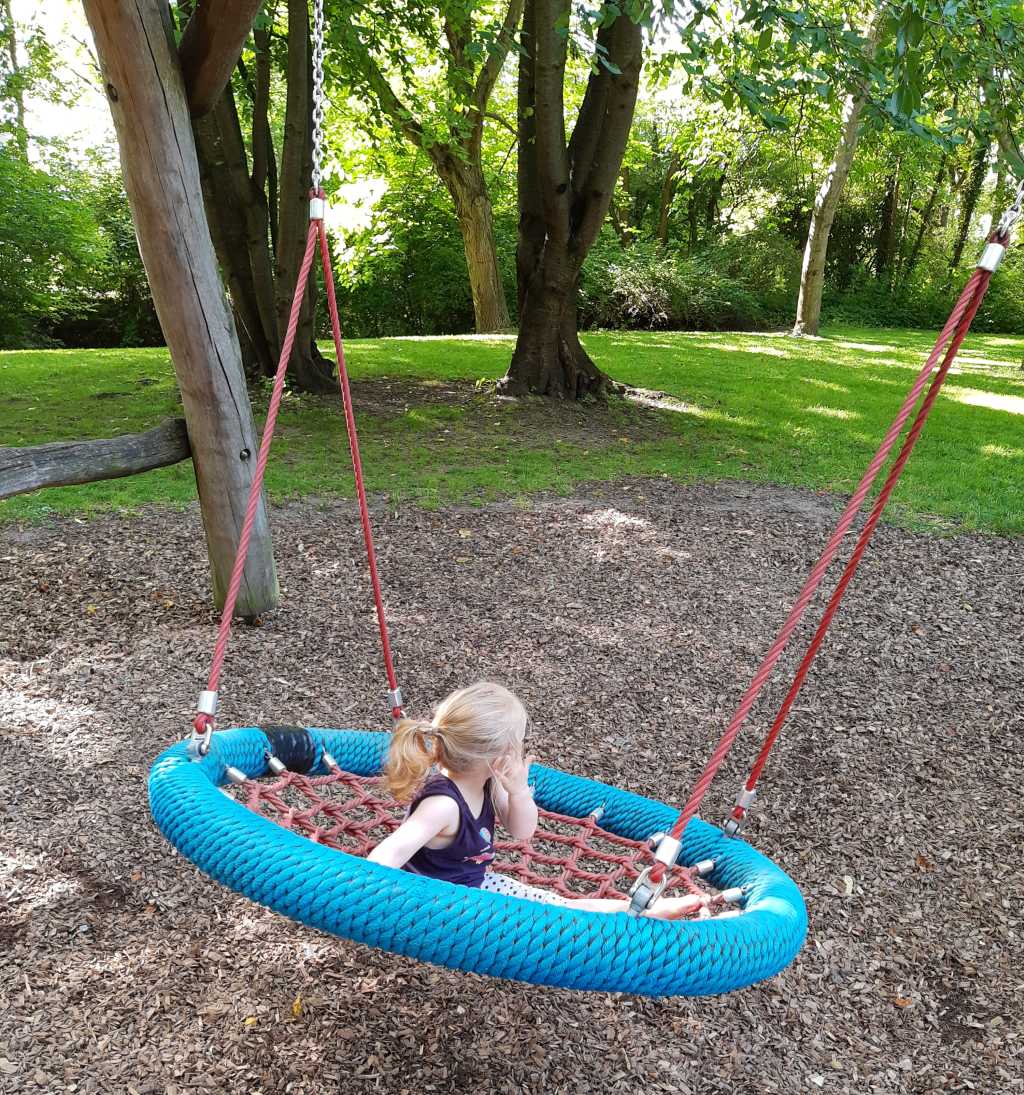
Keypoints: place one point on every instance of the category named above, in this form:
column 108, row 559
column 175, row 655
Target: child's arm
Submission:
column 435, row 816
column 513, row 796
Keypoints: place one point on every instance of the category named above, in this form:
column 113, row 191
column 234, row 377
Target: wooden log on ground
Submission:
column 63, row 463
column 146, row 92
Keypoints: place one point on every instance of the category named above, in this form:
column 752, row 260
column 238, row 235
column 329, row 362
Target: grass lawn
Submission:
column 757, row 407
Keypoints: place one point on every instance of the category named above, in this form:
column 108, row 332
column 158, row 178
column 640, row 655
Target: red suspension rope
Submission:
column 864, row 539
column 357, row 469
column 952, row 334
column 203, row 721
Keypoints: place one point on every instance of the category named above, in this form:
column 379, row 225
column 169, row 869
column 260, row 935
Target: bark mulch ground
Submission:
column 629, row 619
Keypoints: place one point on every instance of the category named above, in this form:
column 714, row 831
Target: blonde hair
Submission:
column 474, row 724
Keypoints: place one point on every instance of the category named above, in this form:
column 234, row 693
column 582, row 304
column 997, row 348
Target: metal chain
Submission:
column 318, row 94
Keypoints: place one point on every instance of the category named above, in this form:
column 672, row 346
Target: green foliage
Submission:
column 404, row 272
column 51, row 249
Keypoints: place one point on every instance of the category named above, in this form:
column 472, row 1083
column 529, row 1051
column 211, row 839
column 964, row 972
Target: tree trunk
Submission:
column 464, row 179
column 826, row 203
column 922, row 231
column 239, row 221
column 227, row 229
column 210, row 47
column 17, row 91
column 309, row 369
column 668, row 190
column 161, row 174
column 975, row 181
column 549, row 358
column 564, row 192
column 885, row 241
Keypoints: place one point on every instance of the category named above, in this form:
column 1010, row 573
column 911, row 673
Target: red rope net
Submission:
column 570, row 856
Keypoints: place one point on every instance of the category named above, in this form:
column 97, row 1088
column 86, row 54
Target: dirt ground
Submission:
column 629, row 619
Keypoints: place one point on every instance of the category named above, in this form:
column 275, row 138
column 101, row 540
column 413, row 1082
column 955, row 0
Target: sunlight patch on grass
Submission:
column 1003, row 451
column 828, row 385
column 832, row 412
column 993, row 401
column 986, row 362
column 867, row 347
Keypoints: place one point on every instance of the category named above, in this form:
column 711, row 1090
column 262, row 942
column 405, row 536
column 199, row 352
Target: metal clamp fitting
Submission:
column 744, row 800
column 644, row 891
column 395, row 698
column 317, row 209
column 199, row 745
column 235, row 775
column 668, row 849
column 207, row 703
column 276, row 766
column 1013, row 214
column 992, row 256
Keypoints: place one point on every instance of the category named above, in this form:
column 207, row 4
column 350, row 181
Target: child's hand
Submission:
column 511, row 771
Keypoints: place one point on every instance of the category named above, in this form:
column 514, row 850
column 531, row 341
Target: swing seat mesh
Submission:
column 318, row 879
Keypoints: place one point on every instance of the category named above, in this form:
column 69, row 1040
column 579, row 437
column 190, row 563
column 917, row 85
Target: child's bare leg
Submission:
column 665, row 908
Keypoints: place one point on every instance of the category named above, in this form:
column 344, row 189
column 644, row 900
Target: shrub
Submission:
column 644, row 287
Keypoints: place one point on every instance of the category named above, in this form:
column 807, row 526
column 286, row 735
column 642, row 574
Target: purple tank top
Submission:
column 465, row 860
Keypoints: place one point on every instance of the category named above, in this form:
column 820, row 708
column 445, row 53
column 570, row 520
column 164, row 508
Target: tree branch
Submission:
column 491, row 68
column 504, row 122
column 401, row 119
column 552, row 155
column 587, row 130
column 210, row 48
column 625, row 51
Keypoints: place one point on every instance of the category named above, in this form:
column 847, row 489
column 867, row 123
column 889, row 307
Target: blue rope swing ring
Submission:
column 468, row 929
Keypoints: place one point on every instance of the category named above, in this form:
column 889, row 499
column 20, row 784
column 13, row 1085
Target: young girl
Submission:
column 461, row 772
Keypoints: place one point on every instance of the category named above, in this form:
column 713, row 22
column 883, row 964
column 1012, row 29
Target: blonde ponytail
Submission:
column 474, row 725
column 412, row 754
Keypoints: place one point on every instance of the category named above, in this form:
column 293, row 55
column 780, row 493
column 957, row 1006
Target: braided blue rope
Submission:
column 469, row 929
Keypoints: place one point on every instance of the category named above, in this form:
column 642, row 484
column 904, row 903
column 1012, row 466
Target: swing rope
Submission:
column 946, row 347
column 207, row 705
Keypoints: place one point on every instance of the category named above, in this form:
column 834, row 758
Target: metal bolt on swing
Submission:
column 202, row 724
column 744, row 800
column 651, row 882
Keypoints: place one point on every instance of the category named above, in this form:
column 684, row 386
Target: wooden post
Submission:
column 147, row 99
